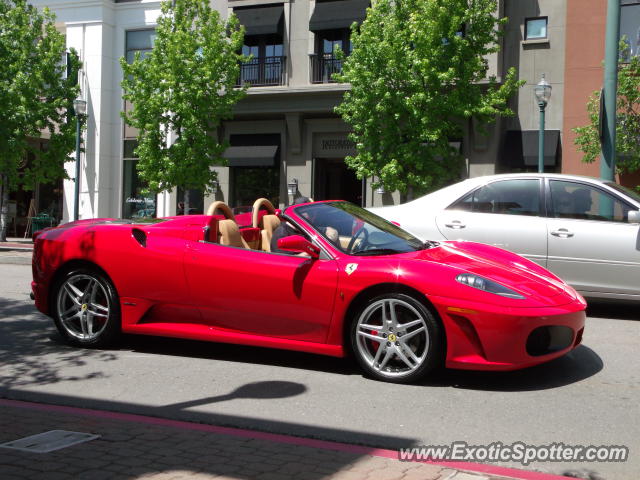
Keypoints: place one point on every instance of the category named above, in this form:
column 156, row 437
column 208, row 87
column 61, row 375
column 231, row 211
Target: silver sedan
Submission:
column 583, row 229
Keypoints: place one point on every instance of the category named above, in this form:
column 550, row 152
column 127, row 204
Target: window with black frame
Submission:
column 331, row 23
column 266, row 66
column 264, row 44
column 325, row 62
column 630, row 28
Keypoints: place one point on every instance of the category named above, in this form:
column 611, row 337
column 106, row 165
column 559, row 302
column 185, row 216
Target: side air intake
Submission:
column 140, row 236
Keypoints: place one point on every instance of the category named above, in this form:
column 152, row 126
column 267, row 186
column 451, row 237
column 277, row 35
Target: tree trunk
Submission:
column 186, row 202
column 4, row 207
column 409, row 193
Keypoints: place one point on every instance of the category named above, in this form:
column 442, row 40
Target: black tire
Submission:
column 86, row 308
column 415, row 334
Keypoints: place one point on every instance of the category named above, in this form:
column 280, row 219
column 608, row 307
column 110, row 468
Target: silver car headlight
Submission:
column 487, row 285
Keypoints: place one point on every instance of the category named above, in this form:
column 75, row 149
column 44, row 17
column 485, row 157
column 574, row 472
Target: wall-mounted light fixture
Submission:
column 292, row 186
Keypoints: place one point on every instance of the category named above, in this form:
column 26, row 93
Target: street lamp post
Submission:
column 543, row 93
column 80, row 108
column 608, row 160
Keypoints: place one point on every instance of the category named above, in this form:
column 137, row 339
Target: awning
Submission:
column 334, row 15
column 521, row 148
column 261, row 21
column 255, row 156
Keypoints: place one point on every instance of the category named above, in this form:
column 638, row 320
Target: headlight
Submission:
column 487, row 285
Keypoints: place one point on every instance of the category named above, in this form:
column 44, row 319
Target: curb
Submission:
column 474, row 468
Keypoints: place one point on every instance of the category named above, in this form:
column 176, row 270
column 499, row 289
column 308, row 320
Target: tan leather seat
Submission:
column 269, row 224
column 228, row 231
column 229, row 234
column 266, row 226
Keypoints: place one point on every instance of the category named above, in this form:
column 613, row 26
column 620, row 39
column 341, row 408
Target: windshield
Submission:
column 628, row 192
column 356, row 231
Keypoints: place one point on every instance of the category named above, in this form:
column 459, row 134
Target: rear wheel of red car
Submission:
column 395, row 338
column 86, row 308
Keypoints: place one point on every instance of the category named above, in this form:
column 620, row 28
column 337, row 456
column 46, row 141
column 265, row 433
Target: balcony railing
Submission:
column 323, row 66
column 263, row 71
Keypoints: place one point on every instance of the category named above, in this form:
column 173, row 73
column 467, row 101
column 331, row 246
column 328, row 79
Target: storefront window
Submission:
column 254, row 169
column 196, row 202
column 135, row 203
column 249, row 184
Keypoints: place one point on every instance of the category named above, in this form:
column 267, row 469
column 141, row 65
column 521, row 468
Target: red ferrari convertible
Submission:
column 324, row 277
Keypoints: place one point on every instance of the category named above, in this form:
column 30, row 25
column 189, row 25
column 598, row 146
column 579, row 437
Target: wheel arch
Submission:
column 67, row 267
column 381, row 288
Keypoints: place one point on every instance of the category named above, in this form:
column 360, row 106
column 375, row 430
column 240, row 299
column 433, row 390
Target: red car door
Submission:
column 252, row 291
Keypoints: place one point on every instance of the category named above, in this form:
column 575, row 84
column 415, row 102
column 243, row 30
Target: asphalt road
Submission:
column 589, row 397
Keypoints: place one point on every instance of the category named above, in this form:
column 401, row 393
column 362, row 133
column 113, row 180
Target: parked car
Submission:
column 343, row 280
column 583, row 229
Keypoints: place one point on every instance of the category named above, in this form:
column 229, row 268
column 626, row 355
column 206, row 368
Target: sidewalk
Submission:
column 15, row 243
column 136, row 447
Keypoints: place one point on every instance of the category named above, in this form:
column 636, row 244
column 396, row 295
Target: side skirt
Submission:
column 211, row 334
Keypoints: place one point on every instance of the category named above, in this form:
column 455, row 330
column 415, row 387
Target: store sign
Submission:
column 333, row 145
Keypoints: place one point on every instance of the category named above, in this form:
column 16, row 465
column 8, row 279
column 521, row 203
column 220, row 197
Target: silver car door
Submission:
column 504, row 213
column 591, row 245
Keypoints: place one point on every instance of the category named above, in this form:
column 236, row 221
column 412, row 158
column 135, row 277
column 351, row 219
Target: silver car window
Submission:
column 585, row 202
column 507, row 197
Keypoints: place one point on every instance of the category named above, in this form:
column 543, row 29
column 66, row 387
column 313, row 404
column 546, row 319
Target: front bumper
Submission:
column 488, row 337
column 40, row 294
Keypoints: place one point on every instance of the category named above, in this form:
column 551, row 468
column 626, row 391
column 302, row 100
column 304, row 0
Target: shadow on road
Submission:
column 32, row 352
column 574, row 367
column 35, row 354
column 613, row 309
column 238, row 354
column 269, row 390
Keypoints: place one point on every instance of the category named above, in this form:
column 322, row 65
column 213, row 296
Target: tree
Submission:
column 417, row 69
column 36, row 96
column 185, row 85
column 628, row 124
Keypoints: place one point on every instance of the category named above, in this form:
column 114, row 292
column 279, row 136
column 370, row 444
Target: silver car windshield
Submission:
column 356, row 231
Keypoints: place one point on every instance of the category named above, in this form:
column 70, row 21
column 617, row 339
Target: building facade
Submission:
column 285, row 135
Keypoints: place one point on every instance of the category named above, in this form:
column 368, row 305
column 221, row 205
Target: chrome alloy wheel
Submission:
column 83, row 307
column 392, row 337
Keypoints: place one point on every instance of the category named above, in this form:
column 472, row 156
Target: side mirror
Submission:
column 633, row 216
column 298, row 244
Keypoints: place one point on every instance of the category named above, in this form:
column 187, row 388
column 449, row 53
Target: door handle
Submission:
column 562, row 233
column 457, row 224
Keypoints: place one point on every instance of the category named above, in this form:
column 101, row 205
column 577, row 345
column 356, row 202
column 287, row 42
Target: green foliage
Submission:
column 414, row 79
column 627, row 127
column 35, row 96
column 185, row 85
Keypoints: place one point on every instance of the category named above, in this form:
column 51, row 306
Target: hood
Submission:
column 510, row 270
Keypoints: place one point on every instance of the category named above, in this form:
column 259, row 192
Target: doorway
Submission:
column 333, row 180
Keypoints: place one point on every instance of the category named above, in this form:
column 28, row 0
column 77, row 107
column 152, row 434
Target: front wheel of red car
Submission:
column 86, row 308
column 395, row 338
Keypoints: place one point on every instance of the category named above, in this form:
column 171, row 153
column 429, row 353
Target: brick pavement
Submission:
column 131, row 449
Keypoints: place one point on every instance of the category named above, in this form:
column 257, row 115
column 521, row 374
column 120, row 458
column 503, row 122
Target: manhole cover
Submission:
column 49, row 441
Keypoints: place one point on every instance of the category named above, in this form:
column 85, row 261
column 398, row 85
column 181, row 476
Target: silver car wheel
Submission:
column 83, row 307
column 392, row 337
